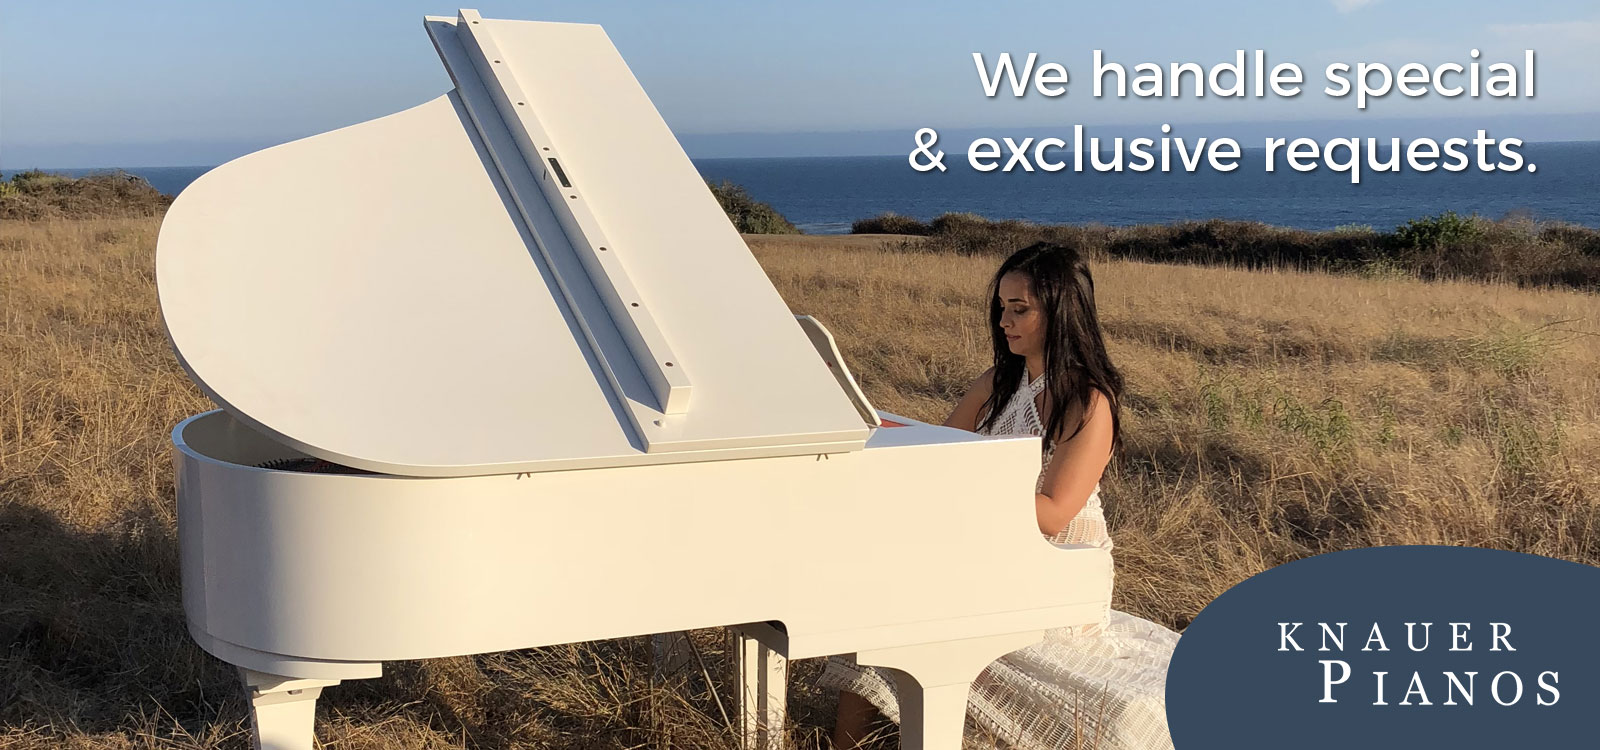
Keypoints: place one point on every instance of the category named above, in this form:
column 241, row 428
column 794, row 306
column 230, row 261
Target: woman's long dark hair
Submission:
column 1075, row 359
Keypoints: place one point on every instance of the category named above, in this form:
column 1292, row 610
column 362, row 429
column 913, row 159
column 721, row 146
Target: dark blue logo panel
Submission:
column 1401, row 647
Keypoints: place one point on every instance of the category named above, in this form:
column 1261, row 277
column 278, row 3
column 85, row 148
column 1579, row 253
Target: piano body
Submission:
column 554, row 374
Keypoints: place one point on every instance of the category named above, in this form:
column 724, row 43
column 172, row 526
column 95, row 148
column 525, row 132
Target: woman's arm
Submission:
column 1075, row 469
column 966, row 415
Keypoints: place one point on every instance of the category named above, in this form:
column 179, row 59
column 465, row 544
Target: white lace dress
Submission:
column 1104, row 682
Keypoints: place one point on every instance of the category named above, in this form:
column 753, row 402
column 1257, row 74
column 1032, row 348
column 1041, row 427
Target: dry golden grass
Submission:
column 1270, row 416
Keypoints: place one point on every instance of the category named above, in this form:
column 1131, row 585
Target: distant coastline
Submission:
column 1519, row 249
column 881, row 141
column 825, row 195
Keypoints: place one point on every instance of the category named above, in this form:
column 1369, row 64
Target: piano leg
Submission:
column 934, row 680
column 282, row 709
column 931, row 717
column 763, row 693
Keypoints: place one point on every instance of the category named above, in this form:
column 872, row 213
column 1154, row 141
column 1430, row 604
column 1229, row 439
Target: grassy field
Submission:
column 1271, row 416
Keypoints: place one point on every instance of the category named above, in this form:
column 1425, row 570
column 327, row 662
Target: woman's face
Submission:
column 1021, row 320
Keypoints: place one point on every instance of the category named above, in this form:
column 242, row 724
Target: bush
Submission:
column 1432, row 232
column 35, row 180
column 1582, row 239
column 34, row 195
column 890, row 223
column 971, row 234
column 1516, row 250
column 749, row 215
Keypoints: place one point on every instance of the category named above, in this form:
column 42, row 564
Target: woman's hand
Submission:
column 1075, row 468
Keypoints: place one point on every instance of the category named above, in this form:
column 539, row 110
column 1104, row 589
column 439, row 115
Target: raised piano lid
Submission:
column 525, row 274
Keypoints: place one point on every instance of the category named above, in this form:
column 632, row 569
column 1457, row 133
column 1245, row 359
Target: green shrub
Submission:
column 749, row 215
column 1433, row 232
column 35, row 180
column 1326, row 425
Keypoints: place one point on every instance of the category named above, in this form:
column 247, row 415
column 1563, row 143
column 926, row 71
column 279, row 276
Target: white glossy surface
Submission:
column 476, row 61
column 826, row 348
column 379, row 568
column 321, row 576
column 373, row 296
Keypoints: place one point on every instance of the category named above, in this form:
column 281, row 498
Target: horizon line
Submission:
column 1565, row 127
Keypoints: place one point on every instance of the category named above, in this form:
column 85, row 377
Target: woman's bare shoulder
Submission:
column 983, row 384
column 1093, row 418
column 966, row 414
column 981, row 388
column 1099, row 402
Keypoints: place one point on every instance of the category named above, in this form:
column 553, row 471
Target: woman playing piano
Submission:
column 1103, row 683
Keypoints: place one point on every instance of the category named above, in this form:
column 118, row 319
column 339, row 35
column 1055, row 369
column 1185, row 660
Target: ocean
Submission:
column 823, row 195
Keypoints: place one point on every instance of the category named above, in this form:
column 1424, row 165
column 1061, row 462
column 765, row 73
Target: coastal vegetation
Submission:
column 1271, row 414
column 34, row 194
column 749, row 215
column 1516, row 249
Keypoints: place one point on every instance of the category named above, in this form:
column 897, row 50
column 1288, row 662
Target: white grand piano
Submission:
column 489, row 366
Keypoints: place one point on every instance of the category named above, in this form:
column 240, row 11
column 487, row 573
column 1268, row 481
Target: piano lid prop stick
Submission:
column 629, row 309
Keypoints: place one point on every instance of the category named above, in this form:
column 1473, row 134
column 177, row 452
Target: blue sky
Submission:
column 176, row 83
